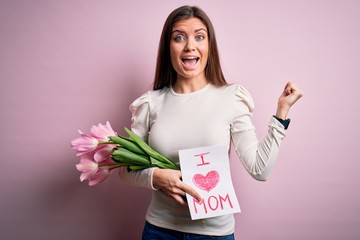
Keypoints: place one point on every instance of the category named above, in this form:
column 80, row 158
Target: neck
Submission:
column 182, row 85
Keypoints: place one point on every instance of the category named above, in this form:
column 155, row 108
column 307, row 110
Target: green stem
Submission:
column 112, row 164
column 109, row 142
column 118, row 166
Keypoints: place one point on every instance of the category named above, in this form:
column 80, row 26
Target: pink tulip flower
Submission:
column 87, row 167
column 102, row 132
column 104, row 154
column 92, row 171
column 100, row 176
column 84, row 144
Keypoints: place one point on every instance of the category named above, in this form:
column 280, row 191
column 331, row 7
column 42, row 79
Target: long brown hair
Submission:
column 165, row 74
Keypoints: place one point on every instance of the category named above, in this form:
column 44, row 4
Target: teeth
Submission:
column 190, row 58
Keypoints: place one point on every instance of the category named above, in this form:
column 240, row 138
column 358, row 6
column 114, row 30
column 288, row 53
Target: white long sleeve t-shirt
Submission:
column 169, row 122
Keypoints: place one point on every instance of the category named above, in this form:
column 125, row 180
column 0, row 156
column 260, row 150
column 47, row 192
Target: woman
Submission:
column 191, row 106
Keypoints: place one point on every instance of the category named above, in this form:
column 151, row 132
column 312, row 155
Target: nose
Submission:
column 190, row 46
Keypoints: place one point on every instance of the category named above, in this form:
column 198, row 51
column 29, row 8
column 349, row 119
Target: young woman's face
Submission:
column 189, row 48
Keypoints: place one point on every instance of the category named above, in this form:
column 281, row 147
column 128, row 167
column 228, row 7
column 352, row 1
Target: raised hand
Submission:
column 288, row 97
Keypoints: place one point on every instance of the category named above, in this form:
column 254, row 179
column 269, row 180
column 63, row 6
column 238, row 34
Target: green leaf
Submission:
column 122, row 155
column 128, row 144
column 152, row 153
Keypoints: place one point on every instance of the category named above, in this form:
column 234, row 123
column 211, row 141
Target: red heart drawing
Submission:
column 207, row 182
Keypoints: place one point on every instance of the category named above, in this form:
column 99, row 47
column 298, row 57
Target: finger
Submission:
column 296, row 91
column 177, row 196
column 292, row 89
column 180, row 200
column 187, row 189
column 192, row 192
column 299, row 92
column 288, row 88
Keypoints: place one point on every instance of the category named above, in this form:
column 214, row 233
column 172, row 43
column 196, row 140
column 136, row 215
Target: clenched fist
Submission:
column 288, row 97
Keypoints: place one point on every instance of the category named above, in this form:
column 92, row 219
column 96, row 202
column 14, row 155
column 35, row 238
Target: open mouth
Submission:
column 190, row 61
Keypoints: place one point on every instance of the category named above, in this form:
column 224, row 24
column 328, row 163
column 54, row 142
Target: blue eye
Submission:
column 179, row 38
column 199, row 37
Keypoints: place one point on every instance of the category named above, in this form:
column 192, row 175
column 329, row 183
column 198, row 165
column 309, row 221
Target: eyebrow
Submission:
column 197, row 30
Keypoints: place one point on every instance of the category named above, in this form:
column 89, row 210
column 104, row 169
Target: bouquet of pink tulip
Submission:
column 104, row 150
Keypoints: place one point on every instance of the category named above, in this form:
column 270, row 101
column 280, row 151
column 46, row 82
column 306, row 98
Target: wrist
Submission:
column 282, row 112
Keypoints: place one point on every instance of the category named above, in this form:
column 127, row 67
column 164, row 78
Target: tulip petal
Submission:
column 84, row 144
column 86, row 166
column 103, row 153
column 99, row 177
column 86, row 175
column 102, row 132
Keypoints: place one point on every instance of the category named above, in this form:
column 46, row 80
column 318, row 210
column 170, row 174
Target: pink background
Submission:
column 66, row 65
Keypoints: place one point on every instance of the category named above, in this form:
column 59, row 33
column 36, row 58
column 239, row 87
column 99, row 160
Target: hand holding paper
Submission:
column 169, row 181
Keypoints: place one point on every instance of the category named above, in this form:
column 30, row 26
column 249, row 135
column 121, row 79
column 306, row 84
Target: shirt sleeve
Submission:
column 140, row 110
column 257, row 157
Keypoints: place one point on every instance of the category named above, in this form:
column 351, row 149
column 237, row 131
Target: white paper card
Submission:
column 207, row 170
